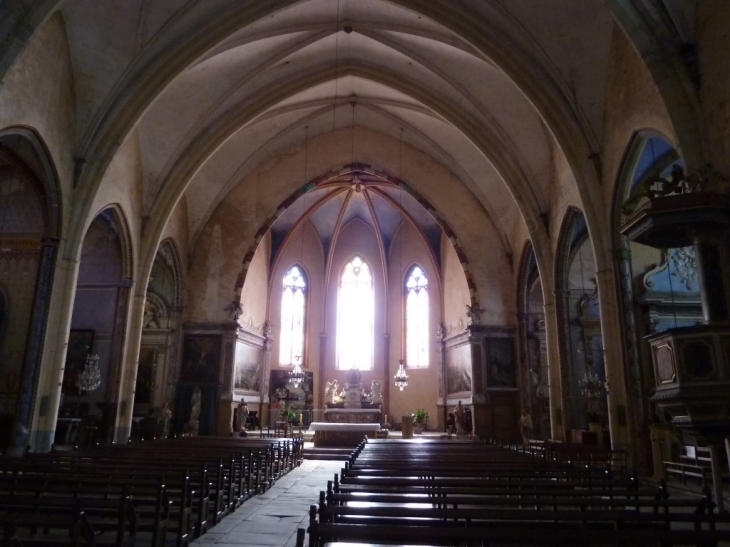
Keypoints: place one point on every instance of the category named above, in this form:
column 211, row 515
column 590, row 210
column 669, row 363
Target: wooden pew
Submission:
column 442, row 495
column 218, row 475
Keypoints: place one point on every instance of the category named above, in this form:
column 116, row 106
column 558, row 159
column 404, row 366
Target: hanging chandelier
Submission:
column 297, row 375
column 90, row 377
column 401, row 378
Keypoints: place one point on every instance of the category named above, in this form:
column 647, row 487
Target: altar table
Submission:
column 342, row 434
column 352, row 415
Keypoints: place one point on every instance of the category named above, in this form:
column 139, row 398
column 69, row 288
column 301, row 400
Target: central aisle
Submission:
column 273, row 518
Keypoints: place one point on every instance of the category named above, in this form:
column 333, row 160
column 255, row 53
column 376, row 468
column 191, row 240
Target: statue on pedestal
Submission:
column 331, row 394
column 353, row 389
column 376, row 392
column 193, row 424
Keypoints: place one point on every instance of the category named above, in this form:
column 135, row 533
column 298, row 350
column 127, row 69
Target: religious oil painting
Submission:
column 201, row 358
column 247, row 368
column 458, row 369
column 501, row 369
column 80, row 345
column 286, row 396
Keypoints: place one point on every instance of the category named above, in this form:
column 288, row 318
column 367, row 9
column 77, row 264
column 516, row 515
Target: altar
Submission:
column 342, row 434
column 352, row 415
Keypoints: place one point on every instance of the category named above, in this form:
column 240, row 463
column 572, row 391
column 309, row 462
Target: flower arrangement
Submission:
column 419, row 416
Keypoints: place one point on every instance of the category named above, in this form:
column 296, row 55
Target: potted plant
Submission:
column 420, row 416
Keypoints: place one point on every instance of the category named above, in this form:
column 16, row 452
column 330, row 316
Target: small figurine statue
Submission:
column 330, row 391
column 376, row 392
column 525, row 427
column 240, row 416
column 195, row 402
column 163, row 421
column 460, row 417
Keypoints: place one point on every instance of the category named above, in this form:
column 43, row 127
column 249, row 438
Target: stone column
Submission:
column 266, row 370
column 322, row 357
column 34, row 347
column 635, row 386
column 613, row 359
column 54, row 354
column 388, row 376
column 555, row 386
column 481, row 417
column 128, row 373
column 114, row 405
column 441, row 374
column 225, row 402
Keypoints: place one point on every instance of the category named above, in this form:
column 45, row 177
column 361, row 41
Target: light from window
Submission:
column 355, row 314
column 417, row 319
column 292, row 317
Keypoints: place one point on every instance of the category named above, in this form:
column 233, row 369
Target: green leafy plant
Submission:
column 419, row 416
column 290, row 415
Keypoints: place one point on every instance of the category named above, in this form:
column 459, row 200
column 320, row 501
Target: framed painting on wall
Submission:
column 501, row 368
column 201, row 358
column 458, row 369
column 247, row 367
column 80, row 345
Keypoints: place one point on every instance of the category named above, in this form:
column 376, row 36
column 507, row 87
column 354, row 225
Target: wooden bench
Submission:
column 694, row 462
column 46, row 515
column 202, row 480
column 441, row 494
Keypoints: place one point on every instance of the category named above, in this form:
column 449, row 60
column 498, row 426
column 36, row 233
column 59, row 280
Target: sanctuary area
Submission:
column 504, row 220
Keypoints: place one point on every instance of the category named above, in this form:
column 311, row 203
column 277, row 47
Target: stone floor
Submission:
column 272, row 519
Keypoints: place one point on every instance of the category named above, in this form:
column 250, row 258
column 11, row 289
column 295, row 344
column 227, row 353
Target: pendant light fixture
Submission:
column 297, row 375
column 401, row 377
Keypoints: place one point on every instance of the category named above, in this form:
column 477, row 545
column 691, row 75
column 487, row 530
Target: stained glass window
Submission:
column 293, row 306
column 416, row 318
column 355, row 316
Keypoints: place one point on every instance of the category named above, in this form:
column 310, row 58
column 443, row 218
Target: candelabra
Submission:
column 401, row 378
column 90, row 377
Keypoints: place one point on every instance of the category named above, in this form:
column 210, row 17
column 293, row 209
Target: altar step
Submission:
column 341, row 454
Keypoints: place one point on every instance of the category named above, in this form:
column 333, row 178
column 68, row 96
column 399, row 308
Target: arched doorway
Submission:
column 29, row 230
column 92, row 377
column 158, row 368
column 533, row 345
column 659, row 287
column 580, row 339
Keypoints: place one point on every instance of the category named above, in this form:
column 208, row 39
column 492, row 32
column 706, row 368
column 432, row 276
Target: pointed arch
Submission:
column 33, row 201
column 171, row 252
column 532, row 336
column 338, row 172
column 113, row 217
column 24, row 149
column 572, row 230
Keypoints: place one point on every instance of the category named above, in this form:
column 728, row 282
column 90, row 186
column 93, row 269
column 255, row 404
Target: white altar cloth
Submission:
column 331, row 426
column 352, row 410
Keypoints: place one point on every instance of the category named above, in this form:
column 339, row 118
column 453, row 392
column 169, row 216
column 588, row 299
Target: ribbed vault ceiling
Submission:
column 248, row 98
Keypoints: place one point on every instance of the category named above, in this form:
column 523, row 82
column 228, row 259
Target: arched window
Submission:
column 293, row 306
column 416, row 318
column 355, row 314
